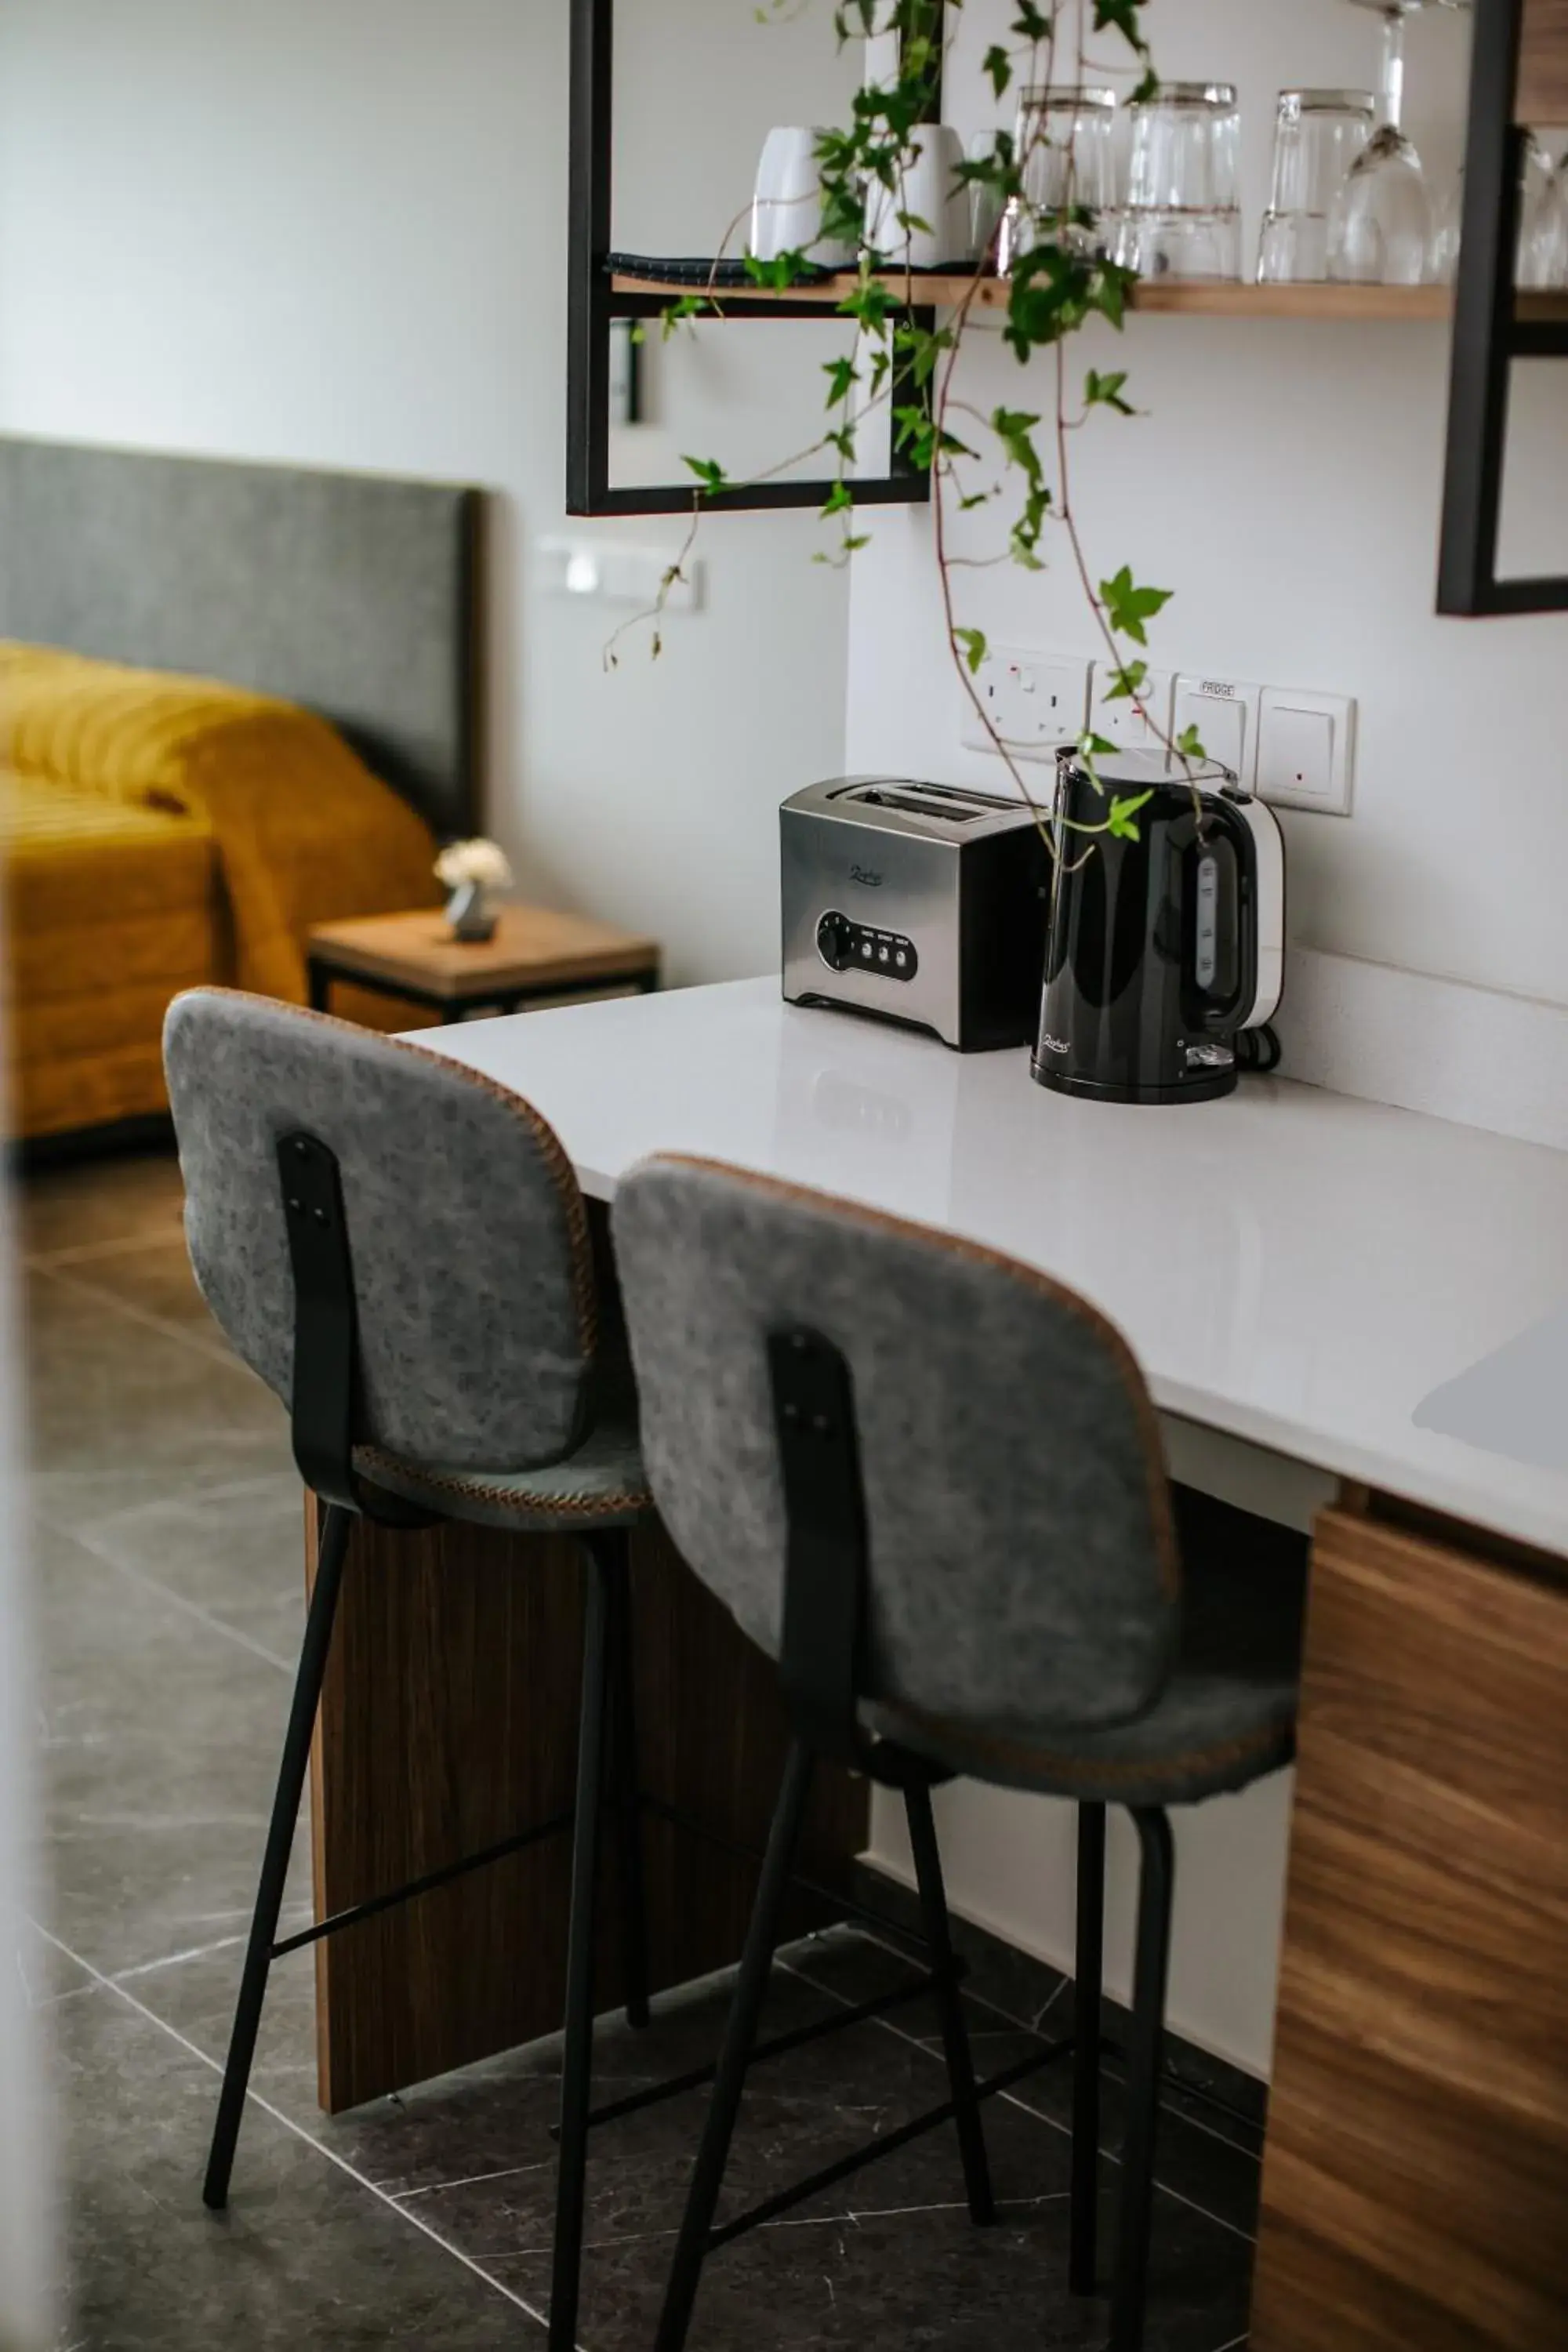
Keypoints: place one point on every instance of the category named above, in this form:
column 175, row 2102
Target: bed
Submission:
column 235, row 701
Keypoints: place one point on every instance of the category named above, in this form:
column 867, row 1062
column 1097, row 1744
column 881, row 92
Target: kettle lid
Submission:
column 1146, row 772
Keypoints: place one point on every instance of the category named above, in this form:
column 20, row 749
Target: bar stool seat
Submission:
column 602, row 1484
column 1225, row 1716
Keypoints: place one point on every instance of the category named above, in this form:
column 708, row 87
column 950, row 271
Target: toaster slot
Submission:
column 878, row 798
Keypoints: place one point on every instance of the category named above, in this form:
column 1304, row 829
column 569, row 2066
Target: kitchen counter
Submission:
column 1371, row 1300
column 1294, row 1268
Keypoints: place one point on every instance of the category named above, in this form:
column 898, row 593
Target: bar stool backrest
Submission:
column 1023, row 1573
column 472, row 1271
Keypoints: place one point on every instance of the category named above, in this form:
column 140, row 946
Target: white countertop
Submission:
column 1292, row 1267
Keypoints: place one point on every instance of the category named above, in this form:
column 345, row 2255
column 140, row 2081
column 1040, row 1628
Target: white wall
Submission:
column 333, row 232
column 1286, row 483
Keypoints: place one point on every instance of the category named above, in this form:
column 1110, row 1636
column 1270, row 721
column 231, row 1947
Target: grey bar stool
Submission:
column 929, row 1481
column 399, row 1248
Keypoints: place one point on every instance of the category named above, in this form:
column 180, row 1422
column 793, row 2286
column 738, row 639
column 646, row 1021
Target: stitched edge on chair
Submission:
column 1196, row 1763
column 1031, row 1278
column 561, row 1173
column 433, row 1482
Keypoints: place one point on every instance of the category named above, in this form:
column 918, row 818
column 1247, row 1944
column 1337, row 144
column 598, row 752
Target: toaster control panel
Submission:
column 844, row 945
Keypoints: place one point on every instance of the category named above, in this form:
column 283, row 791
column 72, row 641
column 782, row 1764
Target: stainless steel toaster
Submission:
column 922, row 903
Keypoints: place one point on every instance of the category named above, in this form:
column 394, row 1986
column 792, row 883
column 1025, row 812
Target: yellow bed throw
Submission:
column 304, row 833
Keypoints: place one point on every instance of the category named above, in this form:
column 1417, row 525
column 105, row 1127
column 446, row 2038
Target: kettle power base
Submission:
column 1198, row 1090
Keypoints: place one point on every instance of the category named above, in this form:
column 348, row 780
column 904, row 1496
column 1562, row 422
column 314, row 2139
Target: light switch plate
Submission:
column 1139, row 726
column 1224, row 711
column 1306, row 749
column 1035, row 701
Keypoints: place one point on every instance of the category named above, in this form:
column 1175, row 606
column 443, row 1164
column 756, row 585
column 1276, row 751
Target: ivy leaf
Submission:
column 999, row 66
column 1014, row 427
column 1128, row 606
column 1190, row 744
column 1123, row 809
column 839, row 498
column 1121, row 16
column 974, row 648
column 1127, row 682
column 675, row 314
column 1106, row 392
column 784, row 269
column 870, row 305
column 975, row 499
column 842, row 374
column 1092, row 747
column 710, row 473
column 1032, row 23
column 1147, row 89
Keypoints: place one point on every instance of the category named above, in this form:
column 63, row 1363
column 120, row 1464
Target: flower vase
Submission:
column 471, row 914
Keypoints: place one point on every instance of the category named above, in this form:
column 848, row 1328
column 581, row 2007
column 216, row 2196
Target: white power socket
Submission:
column 1132, row 726
column 1034, row 701
column 615, row 572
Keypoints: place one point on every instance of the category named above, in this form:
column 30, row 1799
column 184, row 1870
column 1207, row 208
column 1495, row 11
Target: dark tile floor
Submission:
column 167, row 1547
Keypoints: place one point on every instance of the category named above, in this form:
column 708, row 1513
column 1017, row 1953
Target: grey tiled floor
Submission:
column 169, row 1609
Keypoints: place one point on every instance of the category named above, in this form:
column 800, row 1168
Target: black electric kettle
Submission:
column 1163, row 947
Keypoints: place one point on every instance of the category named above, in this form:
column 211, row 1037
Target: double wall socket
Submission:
column 1287, row 744
column 1035, row 702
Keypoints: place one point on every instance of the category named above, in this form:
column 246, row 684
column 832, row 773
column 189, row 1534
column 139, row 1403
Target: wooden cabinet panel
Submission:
column 1543, row 63
column 1416, row 2179
column 449, row 1720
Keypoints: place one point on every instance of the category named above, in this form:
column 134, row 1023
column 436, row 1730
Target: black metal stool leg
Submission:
column 577, row 2055
column 740, row 2035
column 1083, row 2255
column 1157, row 1886
column 627, row 1788
column 291, row 1772
column 950, row 2006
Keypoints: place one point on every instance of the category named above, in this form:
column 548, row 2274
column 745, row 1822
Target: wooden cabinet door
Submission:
column 1416, row 2179
column 1543, row 64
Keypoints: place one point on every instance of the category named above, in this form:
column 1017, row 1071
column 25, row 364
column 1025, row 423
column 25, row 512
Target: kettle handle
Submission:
column 1223, row 817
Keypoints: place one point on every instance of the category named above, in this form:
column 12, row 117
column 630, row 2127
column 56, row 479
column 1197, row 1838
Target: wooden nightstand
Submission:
column 534, row 954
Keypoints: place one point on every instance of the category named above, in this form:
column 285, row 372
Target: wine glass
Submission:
column 1542, row 221
column 1541, row 256
column 1381, row 230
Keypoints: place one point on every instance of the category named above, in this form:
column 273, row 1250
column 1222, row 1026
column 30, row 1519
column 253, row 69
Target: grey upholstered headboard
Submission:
column 354, row 594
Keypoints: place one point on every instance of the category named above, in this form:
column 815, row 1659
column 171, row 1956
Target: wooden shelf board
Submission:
column 1189, row 297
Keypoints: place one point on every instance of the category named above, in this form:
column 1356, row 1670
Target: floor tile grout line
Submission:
column 1194, row 2123
column 225, row 1490
column 89, row 1253
column 852, row 2217
column 469, row 2180
column 139, row 1576
column 209, row 1350
column 1013, row 2100
column 298, row 2131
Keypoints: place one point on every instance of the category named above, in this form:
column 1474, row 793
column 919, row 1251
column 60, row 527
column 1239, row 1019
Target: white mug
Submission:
column 928, row 190
column 786, row 211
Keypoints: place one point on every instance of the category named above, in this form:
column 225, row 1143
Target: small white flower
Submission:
column 481, row 861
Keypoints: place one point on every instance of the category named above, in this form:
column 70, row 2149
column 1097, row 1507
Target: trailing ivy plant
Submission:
column 1015, row 460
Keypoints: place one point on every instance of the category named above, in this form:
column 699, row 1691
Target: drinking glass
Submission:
column 984, row 205
column 1318, row 135
column 1184, row 213
column 1066, row 144
column 1381, row 229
